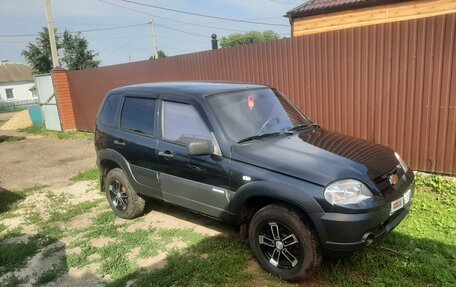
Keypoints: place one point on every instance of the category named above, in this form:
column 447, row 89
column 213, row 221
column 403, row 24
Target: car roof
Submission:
column 194, row 89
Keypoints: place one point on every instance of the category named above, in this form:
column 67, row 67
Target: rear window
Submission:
column 138, row 115
column 108, row 113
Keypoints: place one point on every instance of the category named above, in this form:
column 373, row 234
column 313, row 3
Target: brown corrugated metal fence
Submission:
column 394, row 84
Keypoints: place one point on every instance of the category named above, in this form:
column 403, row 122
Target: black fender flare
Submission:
column 296, row 196
column 117, row 158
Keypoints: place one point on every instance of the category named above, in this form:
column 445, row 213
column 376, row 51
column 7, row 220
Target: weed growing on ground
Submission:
column 40, row 130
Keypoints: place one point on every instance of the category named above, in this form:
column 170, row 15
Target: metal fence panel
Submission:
column 45, row 89
column 394, row 84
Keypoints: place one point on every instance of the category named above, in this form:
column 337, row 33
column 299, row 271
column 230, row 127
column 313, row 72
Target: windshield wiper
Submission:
column 264, row 135
column 300, row 127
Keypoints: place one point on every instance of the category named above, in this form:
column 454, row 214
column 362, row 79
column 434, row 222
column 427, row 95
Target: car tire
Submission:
column 272, row 231
column 122, row 198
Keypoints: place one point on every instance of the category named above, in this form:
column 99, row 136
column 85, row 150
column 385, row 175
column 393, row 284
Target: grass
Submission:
column 4, row 138
column 90, row 174
column 51, row 274
column 421, row 251
column 10, row 199
column 40, row 130
column 16, row 255
column 13, row 281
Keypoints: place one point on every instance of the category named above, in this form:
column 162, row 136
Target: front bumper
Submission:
column 350, row 232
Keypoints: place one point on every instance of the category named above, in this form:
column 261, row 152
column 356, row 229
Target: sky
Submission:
column 177, row 33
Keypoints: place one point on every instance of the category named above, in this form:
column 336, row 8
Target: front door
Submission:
column 196, row 182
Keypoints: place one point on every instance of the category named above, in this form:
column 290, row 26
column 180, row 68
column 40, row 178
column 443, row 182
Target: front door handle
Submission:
column 117, row 142
column 166, row 154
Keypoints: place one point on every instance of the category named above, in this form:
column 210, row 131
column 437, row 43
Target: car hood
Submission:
column 318, row 155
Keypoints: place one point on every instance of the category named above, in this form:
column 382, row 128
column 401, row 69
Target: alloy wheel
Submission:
column 280, row 245
column 118, row 194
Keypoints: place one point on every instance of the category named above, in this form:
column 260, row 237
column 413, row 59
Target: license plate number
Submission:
column 401, row 202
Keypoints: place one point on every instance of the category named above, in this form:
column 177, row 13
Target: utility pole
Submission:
column 154, row 41
column 55, row 57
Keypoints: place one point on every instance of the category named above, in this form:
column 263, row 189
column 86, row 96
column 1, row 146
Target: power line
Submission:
column 80, row 31
column 177, row 30
column 170, row 19
column 201, row 15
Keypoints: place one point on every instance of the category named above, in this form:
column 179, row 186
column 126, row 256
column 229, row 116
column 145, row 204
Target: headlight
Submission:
column 347, row 191
column 402, row 162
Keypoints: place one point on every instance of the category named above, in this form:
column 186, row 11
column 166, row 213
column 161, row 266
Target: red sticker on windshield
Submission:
column 251, row 102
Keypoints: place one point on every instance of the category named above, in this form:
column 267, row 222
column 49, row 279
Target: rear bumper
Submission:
column 350, row 232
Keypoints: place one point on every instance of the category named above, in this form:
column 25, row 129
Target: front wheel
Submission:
column 283, row 244
column 121, row 197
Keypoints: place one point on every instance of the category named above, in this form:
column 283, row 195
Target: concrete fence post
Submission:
column 63, row 97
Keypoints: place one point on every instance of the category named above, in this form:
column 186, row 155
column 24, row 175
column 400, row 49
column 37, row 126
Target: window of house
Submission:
column 182, row 123
column 9, row 93
column 138, row 115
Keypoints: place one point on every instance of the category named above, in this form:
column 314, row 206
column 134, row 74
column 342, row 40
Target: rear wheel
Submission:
column 121, row 197
column 283, row 244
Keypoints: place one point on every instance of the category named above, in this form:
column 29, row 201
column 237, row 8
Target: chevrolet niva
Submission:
column 242, row 153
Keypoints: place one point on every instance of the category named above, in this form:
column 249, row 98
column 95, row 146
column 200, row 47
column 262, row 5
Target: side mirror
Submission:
column 200, row 148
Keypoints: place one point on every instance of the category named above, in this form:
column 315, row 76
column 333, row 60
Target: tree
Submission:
column 38, row 54
column 76, row 53
column 237, row 39
column 73, row 51
column 161, row 54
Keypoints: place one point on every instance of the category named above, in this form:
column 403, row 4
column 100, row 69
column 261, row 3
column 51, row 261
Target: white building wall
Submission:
column 20, row 90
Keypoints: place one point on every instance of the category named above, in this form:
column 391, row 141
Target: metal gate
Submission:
column 46, row 95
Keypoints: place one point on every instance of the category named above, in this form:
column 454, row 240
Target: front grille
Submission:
column 389, row 191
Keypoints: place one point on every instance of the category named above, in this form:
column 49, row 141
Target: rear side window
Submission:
column 183, row 124
column 138, row 115
column 108, row 113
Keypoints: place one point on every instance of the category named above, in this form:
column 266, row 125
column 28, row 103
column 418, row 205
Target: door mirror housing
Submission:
column 200, row 148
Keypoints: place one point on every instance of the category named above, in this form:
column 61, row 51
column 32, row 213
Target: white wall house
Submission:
column 16, row 82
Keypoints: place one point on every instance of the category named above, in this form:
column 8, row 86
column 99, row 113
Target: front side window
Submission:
column 9, row 93
column 183, row 124
column 138, row 115
column 247, row 113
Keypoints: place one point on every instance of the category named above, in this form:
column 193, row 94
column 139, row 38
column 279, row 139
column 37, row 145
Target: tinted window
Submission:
column 138, row 115
column 182, row 123
column 108, row 113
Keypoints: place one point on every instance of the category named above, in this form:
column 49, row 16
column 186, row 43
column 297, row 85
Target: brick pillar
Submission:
column 63, row 97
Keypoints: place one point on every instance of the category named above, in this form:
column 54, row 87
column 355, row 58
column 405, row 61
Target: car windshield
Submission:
column 249, row 113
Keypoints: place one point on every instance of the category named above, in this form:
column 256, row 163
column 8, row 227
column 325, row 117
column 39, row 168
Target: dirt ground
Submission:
column 5, row 117
column 51, row 162
column 43, row 160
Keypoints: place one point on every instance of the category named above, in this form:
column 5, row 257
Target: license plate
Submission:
column 401, row 202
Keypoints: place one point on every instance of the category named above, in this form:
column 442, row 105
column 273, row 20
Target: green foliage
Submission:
column 4, row 138
column 238, row 39
column 90, row 174
column 40, row 130
column 52, row 274
column 13, row 281
column 224, row 263
column 15, row 255
column 38, row 54
column 10, row 199
column 74, row 52
column 161, row 54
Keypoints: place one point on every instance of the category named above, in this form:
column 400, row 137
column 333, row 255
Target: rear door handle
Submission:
column 116, row 142
column 166, row 154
